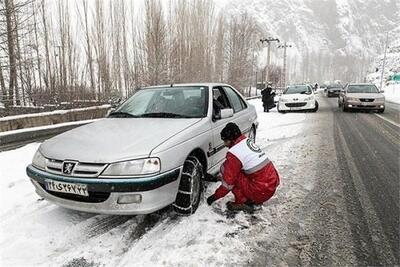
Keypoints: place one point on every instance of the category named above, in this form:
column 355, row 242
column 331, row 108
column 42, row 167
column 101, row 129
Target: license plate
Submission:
column 365, row 104
column 296, row 108
column 76, row 189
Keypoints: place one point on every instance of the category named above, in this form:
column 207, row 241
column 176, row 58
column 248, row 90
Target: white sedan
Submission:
column 298, row 97
column 152, row 151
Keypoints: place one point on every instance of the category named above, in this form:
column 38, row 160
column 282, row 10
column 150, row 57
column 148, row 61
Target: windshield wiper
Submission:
column 305, row 92
column 121, row 114
column 163, row 115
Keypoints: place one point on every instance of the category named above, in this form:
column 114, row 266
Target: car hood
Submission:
column 113, row 139
column 365, row 95
column 294, row 97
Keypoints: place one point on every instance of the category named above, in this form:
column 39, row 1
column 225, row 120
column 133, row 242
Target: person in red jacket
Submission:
column 247, row 172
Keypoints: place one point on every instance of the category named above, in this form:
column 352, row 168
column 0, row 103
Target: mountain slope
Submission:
column 339, row 28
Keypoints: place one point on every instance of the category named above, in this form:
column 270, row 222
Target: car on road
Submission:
column 298, row 97
column 333, row 90
column 154, row 150
column 361, row 96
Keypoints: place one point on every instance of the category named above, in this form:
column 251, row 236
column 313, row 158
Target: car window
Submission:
column 170, row 102
column 235, row 99
column 297, row 89
column 362, row 88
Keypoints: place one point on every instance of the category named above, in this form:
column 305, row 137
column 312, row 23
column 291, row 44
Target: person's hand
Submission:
column 211, row 199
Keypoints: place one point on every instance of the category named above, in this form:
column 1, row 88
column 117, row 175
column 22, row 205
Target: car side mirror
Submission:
column 382, row 91
column 226, row 113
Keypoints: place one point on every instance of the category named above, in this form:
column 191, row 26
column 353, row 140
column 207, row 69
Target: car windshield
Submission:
column 297, row 89
column 334, row 86
column 362, row 88
column 169, row 102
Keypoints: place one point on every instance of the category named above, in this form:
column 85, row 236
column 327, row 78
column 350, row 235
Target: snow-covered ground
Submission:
column 392, row 93
column 36, row 232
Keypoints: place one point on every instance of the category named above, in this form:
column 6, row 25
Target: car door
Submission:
column 241, row 116
column 228, row 98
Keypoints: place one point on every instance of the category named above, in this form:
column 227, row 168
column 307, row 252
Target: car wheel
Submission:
column 344, row 107
column 381, row 110
column 252, row 134
column 190, row 187
column 316, row 107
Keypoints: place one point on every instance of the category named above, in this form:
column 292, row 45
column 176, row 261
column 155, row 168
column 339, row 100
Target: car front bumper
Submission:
column 294, row 106
column 154, row 192
column 365, row 105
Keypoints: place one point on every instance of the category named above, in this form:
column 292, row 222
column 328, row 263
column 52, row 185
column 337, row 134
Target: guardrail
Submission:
column 17, row 122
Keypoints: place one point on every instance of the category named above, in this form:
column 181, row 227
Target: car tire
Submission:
column 190, row 187
column 316, row 107
column 344, row 107
column 381, row 110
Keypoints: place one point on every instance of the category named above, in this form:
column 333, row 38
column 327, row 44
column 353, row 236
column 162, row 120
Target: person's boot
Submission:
column 246, row 207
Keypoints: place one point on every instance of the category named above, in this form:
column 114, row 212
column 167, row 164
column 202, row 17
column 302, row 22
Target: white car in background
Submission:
column 298, row 97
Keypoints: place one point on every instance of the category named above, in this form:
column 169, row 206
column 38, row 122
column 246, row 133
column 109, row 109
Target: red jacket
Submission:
column 258, row 186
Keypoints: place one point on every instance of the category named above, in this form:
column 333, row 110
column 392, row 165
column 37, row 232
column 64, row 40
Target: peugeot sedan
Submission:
column 361, row 96
column 298, row 97
column 152, row 151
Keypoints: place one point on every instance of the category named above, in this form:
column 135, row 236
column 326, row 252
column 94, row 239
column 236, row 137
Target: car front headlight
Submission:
column 308, row 98
column 283, row 100
column 134, row 167
column 351, row 99
column 39, row 161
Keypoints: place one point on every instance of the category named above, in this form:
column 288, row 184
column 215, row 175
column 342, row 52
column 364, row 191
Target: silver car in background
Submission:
column 151, row 152
column 361, row 96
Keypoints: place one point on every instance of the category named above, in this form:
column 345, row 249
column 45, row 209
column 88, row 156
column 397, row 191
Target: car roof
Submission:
column 186, row 84
column 361, row 84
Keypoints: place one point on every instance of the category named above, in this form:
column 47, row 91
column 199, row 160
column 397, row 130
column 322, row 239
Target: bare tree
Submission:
column 242, row 33
column 156, row 43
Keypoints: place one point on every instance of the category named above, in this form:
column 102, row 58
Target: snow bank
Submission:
column 392, row 93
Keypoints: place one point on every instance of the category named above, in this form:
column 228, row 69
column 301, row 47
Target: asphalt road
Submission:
column 350, row 215
column 368, row 154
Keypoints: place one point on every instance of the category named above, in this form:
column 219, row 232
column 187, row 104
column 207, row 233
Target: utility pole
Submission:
column 284, row 46
column 268, row 41
column 384, row 59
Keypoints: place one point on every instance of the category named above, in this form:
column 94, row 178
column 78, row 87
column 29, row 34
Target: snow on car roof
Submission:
column 186, row 84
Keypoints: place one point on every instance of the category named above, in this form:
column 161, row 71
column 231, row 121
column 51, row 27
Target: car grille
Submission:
column 81, row 169
column 367, row 99
column 94, row 197
column 296, row 105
